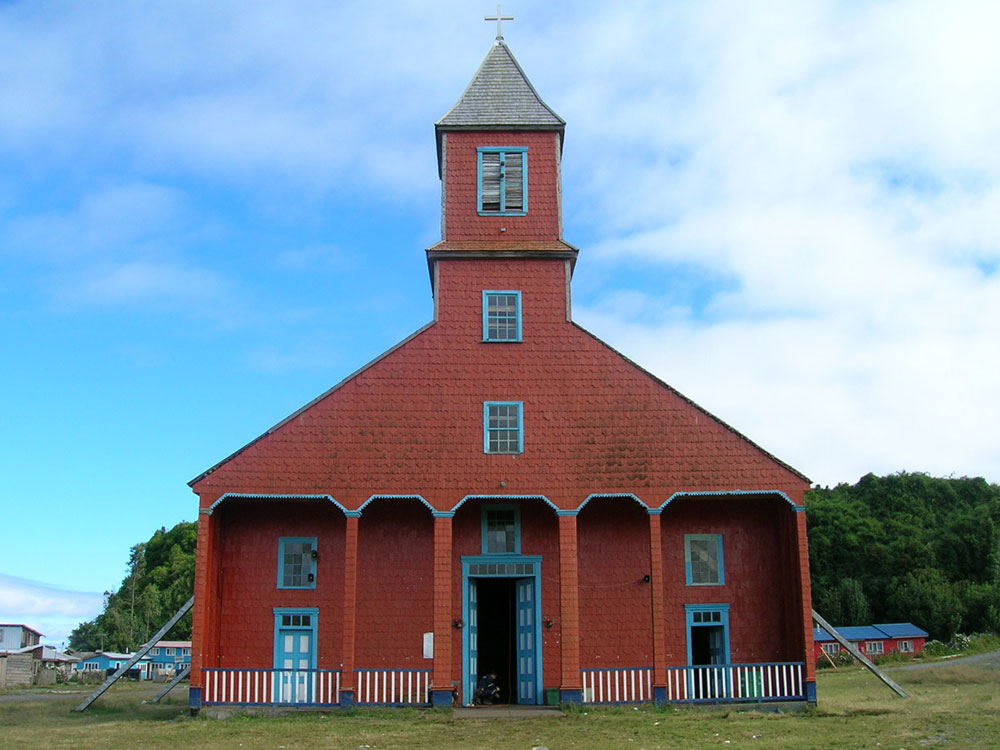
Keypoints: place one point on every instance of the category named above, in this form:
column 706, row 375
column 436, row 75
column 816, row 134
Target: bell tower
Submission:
column 499, row 150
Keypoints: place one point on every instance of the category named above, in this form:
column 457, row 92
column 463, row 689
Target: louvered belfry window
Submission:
column 503, row 181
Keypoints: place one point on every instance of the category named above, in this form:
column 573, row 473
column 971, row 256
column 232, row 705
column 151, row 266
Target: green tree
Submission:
column 158, row 581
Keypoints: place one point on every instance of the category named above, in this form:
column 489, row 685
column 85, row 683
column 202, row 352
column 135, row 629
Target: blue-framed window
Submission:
column 501, row 315
column 501, row 530
column 296, row 562
column 703, row 564
column 502, row 180
column 503, row 427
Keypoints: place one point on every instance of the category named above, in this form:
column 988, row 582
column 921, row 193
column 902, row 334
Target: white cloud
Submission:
column 49, row 609
column 838, row 167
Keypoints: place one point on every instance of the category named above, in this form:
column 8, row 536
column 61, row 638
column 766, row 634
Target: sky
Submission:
column 210, row 213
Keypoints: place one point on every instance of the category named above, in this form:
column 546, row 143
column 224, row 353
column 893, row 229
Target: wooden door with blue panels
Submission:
column 294, row 656
column 525, row 618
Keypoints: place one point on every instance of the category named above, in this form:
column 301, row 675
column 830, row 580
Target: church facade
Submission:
column 501, row 493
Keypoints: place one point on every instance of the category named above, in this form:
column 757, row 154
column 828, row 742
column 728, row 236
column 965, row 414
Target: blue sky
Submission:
column 212, row 212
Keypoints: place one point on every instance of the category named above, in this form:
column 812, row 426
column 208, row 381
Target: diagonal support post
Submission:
column 135, row 657
column 172, row 684
column 853, row 651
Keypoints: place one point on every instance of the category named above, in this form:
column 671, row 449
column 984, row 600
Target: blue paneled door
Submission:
column 293, row 661
column 525, row 619
column 472, row 635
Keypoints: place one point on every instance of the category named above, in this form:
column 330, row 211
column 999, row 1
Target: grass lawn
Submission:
column 949, row 707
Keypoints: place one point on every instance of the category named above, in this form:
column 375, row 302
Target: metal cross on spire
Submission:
column 499, row 18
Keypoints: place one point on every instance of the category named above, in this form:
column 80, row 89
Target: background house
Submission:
column 872, row 640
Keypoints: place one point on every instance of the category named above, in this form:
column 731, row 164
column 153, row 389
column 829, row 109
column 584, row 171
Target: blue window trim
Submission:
column 282, row 541
column 503, row 150
column 486, row 427
column 689, row 612
column 688, row 538
column 486, row 315
column 517, row 527
column 312, row 627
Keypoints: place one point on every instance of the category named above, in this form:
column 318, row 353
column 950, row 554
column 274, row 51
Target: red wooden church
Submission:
column 501, row 492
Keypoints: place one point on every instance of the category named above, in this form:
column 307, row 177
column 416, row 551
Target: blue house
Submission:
column 169, row 657
column 102, row 661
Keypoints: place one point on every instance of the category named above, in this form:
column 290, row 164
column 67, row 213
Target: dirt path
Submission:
column 55, row 694
column 989, row 659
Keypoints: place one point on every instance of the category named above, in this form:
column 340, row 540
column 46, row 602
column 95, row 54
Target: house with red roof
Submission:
column 502, row 493
column 872, row 640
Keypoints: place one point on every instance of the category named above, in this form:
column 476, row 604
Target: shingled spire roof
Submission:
column 500, row 96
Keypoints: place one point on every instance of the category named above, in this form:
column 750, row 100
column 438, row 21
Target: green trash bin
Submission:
column 551, row 696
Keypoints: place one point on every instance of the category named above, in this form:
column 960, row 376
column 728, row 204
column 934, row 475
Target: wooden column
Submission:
column 205, row 618
column 571, row 684
column 441, row 687
column 656, row 598
column 350, row 606
column 805, row 592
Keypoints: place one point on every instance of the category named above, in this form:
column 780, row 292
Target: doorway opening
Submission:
column 496, row 634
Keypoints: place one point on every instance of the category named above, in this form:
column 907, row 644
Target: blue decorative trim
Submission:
column 688, row 577
column 487, row 405
column 508, row 498
column 811, row 693
column 659, row 694
column 503, row 151
column 567, row 512
column 626, row 495
column 486, row 315
column 256, row 496
column 194, row 698
column 484, row 531
column 347, row 698
column 443, row 514
column 311, row 574
column 441, row 698
column 414, row 496
column 570, row 696
column 725, row 493
column 352, row 513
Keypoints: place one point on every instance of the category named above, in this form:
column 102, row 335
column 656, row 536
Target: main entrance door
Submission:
column 502, row 634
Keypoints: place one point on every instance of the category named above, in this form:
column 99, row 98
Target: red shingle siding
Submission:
column 755, row 576
column 615, row 603
column 395, row 584
column 459, row 185
column 249, row 592
column 412, row 421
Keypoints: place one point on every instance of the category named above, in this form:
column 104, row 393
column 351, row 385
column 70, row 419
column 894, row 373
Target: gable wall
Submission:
column 461, row 219
column 412, row 422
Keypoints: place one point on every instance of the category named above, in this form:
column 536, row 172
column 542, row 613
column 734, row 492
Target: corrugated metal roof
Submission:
column 902, row 630
column 872, row 632
column 500, row 95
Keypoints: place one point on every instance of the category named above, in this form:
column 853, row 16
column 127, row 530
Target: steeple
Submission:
column 499, row 152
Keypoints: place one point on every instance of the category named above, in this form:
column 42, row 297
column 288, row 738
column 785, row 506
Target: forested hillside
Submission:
column 160, row 579
column 907, row 547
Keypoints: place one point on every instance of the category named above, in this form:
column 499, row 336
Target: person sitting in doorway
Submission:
column 487, row 691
